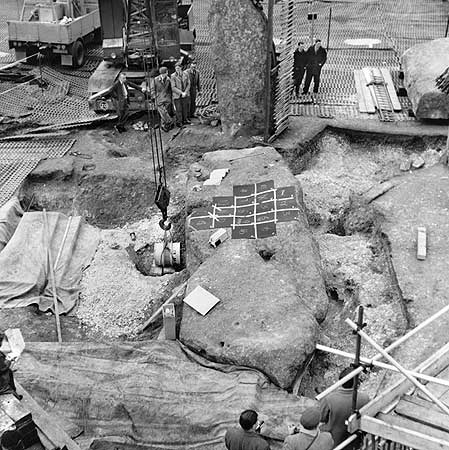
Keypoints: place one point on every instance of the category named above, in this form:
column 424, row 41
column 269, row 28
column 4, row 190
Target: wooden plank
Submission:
column 407, row 437
column 431, row 366
column 367, row 94
column 47, row 425
column 422, row 414
column 13, row 408
column 420, row 401
column 390, row 88
column 5, row 422
column 421, row 248
column 358, row 88
column 403, row 422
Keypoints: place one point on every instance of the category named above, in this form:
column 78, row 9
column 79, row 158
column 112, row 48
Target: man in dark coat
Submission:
column 120, row 98
column 246, row 437
column 180, row 86
column 316, row 57
column 337, row 407
column 299, row 66
column 7, row 385
column 195, row 87
column 163, row 96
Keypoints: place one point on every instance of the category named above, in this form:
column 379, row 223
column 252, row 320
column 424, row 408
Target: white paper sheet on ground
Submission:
column 201, row 300
column 215, row 177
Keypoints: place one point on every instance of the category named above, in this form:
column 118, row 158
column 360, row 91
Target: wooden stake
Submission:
column 52, row 276
column 66, row 232
column 404, row 372
column 159, row 310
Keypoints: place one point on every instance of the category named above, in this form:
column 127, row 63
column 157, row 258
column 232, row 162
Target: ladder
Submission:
column 382, row 96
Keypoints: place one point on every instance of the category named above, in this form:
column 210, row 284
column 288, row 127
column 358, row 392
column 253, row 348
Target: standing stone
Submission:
column 422, row 64
column 239, row 52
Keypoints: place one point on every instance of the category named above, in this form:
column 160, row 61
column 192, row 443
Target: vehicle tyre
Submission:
column 78, row 54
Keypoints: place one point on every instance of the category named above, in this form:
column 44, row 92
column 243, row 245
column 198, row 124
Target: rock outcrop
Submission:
column 271, row 290
column 239, row 51
column 422, row 64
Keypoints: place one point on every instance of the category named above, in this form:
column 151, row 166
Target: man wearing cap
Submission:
column 246, row 437
column 163, row 96
column 337, row 407
column 180, row 86
column 308, row 437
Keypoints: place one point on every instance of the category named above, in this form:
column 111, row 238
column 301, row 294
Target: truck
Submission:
column 61, row 27
column 138, row 36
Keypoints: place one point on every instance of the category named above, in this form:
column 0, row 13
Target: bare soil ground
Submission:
column 355, row 255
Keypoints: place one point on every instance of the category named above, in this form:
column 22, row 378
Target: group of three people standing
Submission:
column 177, row 92
column 309, row 63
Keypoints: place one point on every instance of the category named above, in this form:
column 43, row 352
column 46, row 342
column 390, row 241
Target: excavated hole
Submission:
column 266, row 254
column 337, row 171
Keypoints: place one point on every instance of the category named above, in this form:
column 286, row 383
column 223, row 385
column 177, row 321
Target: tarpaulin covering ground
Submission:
column 24, row 274
column 152, row 395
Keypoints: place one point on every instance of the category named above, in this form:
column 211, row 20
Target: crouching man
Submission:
column 7, row 385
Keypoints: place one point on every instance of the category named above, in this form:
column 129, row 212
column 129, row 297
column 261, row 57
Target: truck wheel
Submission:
column 78, row 54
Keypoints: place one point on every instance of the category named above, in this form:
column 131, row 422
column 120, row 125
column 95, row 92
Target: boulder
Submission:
column 239, row 52
column 53, row 169
column 271, row 290
column 422, row 64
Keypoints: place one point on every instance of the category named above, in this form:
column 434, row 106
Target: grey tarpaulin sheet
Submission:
column 10, row 214
column 24, row 275
column 152, row 395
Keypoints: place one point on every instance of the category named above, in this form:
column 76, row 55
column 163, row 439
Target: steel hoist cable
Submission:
column 162, row 197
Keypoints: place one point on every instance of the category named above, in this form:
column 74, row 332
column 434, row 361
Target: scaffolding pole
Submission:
column 381, row 365
column 388, row 349
column 404, row 372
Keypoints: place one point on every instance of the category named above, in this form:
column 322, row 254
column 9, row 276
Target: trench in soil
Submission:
column 334, row 169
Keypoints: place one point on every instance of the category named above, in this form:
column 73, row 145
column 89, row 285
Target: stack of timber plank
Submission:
column 366, row 97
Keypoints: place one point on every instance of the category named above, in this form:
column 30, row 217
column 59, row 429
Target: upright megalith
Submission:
column 271, row 290
column 422, row 65
column 239, row 55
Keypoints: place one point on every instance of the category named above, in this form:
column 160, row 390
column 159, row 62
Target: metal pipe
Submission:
column 346, row 442
column 358, row 345
column 404, row 372
column 329, row 28
column 382, row 365
column 388, row 349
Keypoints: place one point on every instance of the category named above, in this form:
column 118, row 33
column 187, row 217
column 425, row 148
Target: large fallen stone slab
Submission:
column 422, row 64
column 150, row 395
column 271, row 290
column 420, row 200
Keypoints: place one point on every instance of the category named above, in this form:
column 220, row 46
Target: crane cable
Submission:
column 162, row 197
